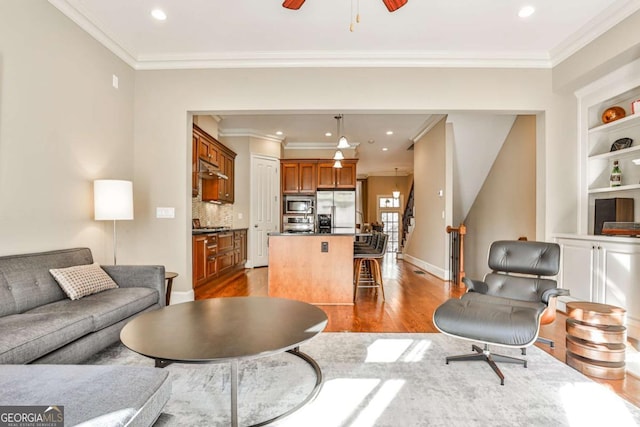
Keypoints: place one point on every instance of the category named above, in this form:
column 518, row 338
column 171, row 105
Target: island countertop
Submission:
column 315, row 268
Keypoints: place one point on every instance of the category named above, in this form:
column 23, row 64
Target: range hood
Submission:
column 208, row 170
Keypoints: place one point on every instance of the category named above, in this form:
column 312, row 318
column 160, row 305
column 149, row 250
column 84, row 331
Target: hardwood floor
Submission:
column 411, row 298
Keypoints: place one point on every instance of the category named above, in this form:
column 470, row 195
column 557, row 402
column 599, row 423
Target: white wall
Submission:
column 505, row 208
column 62, row 125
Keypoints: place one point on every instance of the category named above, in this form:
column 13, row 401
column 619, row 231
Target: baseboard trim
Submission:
column 185, row 296
column 429, row 268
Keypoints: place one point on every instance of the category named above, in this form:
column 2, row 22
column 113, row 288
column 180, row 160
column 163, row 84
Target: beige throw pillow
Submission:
column 82, row 280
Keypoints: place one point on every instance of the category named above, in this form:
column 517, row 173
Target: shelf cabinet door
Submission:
column 194, row 166
column 346, row 175
column 290, row 181
column 577, row 271
column 199, row 259
column 326, row 175
column 307, row 178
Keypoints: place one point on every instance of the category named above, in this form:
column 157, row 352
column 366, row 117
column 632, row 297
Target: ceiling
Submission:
column 250, row 33
column 423, row 33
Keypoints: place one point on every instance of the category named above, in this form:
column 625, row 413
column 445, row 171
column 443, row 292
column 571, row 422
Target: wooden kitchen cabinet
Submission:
column 212, row 151
column 330, row 177
column 194, row 166
column 298, row 177
column 218, row 256
column 204, row 258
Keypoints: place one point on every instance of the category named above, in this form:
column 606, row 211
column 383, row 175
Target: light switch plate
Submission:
column 165, row 212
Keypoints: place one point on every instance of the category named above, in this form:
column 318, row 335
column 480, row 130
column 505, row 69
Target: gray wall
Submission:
column 62, row 125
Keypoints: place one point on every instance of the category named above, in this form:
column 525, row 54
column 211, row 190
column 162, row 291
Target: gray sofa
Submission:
column 40, row 325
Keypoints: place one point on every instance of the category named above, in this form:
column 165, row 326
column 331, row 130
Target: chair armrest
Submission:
column 139, row 276
column 475, row 285
column 556, row 292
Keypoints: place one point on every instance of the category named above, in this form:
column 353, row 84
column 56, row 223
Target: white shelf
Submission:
column 619, row 153
column 614, row 189
column 620, row 124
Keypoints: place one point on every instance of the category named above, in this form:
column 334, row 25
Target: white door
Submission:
column 578, row 267
column 265, row 206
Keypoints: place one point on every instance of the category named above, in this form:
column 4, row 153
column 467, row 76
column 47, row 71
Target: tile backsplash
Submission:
column 211, row 214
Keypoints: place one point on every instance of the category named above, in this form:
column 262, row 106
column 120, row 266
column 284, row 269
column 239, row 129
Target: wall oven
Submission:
column 299, row 205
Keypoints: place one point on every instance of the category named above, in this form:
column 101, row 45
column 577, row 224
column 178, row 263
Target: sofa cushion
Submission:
column 105, row 308
column 28, row 336
column 82, row 280
column 25, row 281
column 95, row 395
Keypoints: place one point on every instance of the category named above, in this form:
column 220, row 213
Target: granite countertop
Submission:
column 198, row 231
column 277, row 233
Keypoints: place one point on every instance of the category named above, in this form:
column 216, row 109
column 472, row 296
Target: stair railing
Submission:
column 456, row 253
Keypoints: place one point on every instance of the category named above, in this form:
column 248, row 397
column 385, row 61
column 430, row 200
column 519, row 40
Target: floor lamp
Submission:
column 113, row 200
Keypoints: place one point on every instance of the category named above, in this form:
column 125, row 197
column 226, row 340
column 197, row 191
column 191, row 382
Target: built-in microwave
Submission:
column 298, row 205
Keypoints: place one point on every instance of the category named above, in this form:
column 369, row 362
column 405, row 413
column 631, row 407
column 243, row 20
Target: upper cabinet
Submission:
column 306, row 176
column 597, row 145
column 298, row 177
column 211, row 150
column 330, row 177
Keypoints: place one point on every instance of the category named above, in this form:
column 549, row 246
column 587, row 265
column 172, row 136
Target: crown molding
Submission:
column 341, row 59
column 80, row 19
column 592, row 30
column 317, row 146
column 252, row 133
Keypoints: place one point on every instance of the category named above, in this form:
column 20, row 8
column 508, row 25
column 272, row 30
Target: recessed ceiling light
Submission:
column 279, row 132
column 385, row 149
column 389, row 132
column 328, row 134
column 371, row 141
column 526, row 11
column 159, row 14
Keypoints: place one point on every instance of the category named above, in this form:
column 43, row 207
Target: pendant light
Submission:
column 396, row 193
column 342, row 144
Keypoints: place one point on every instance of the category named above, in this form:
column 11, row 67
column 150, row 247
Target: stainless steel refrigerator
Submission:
column 341, row 205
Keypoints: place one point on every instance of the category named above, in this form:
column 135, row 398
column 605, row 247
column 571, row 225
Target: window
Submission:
column 388, row 202
column 389, row 214
column 391, row 221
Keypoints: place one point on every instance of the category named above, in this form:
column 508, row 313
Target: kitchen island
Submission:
column 314, row 268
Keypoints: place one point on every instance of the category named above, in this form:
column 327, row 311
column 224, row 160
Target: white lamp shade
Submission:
column 337, row 164
column 112, row 199
column 338, row 155
column 343, row 143
column 395, row 194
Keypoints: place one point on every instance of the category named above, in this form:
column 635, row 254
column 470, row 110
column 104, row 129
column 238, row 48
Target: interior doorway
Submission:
column 389, row 215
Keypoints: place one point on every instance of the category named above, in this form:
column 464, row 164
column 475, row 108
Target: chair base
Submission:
column 487, row 356
column 543, row 340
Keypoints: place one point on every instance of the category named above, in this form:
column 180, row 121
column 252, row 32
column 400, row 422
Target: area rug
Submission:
column 387, row 380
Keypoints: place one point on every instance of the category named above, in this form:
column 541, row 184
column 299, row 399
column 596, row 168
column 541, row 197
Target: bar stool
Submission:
column 367, row 265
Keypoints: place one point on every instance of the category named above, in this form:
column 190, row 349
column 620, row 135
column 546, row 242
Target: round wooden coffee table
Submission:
column 222, row 330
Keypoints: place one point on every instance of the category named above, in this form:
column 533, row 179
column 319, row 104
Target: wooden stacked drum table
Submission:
column 596, row 337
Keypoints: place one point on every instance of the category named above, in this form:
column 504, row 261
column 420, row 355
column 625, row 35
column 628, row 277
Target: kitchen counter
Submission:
column 315, row 234
column 198, row 231
column 314, row 268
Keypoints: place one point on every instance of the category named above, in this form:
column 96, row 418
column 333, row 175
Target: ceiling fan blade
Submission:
column 393, row 5
column 295, row 4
